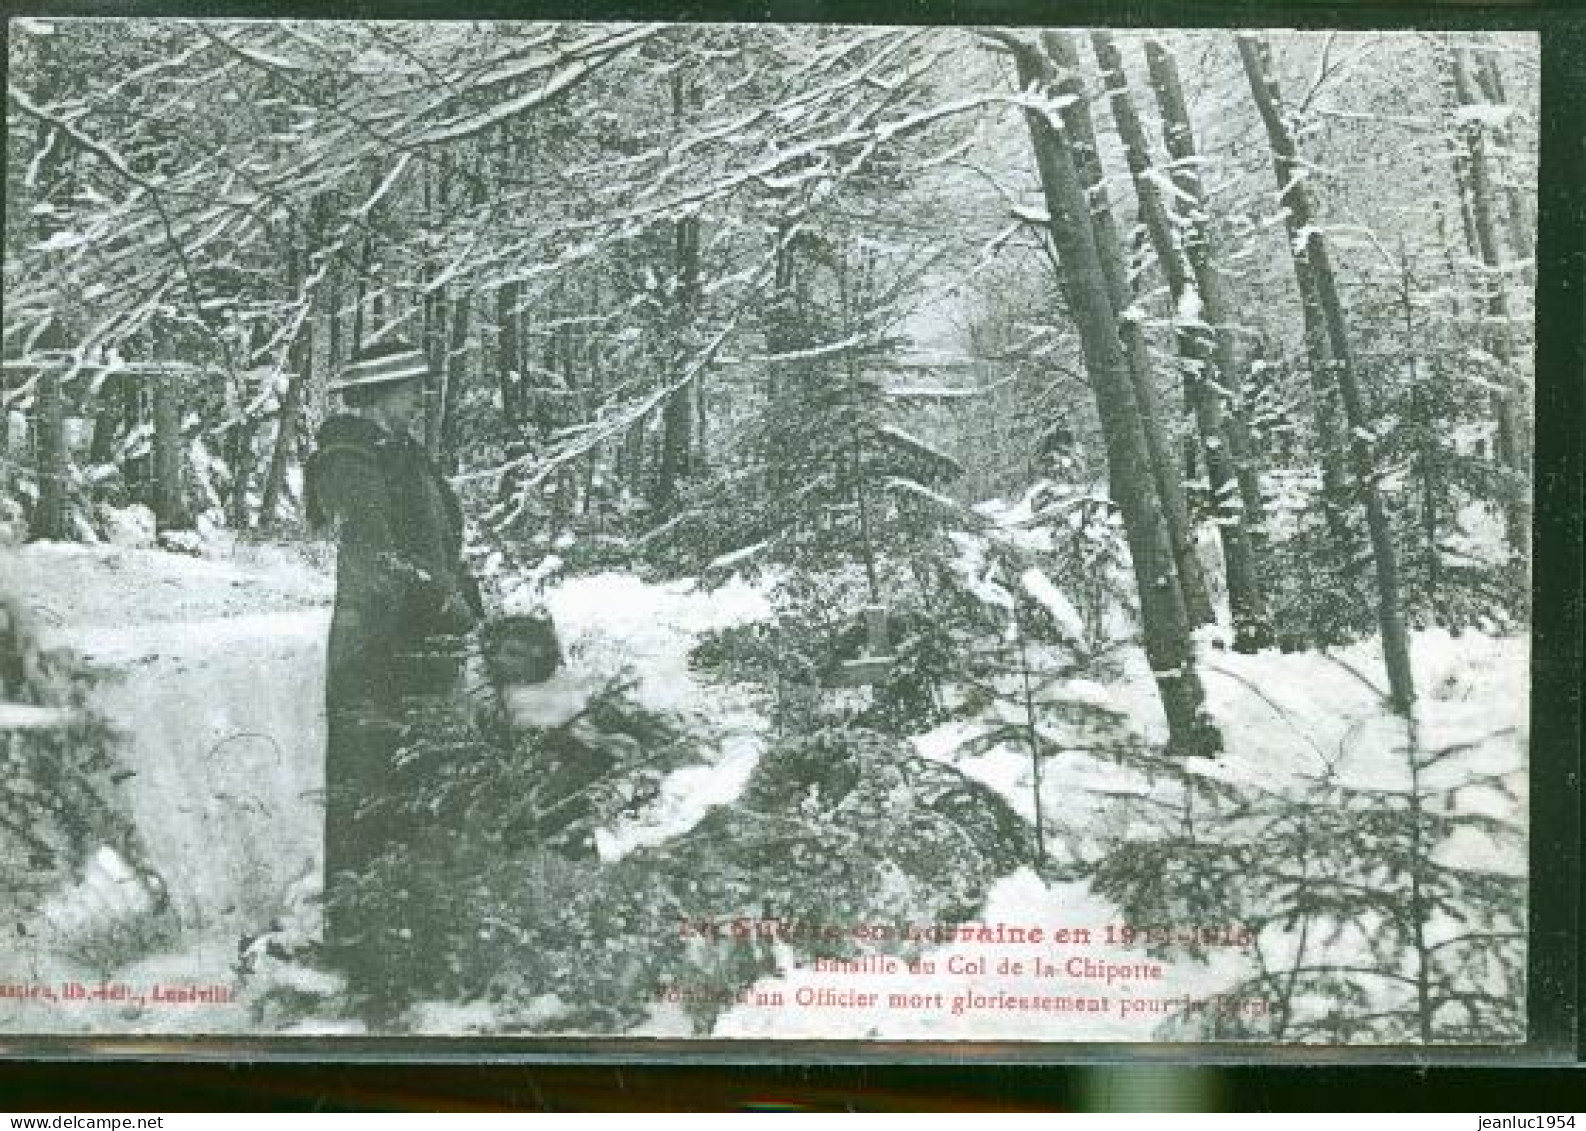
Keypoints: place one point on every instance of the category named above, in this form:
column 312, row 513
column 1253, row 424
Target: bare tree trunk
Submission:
column 333, row 347
column 302, row 359
column 1109, row 244
column 677, row 418
column 240, row 454
column 1338, row 491
column 1196, row 239
column 51, row 521
column 7, row 477
column 436, row 348
column 1423, row 423
column 1166, row 627
column 567, row 479
column 300, row 362
column 287, row 427
column 107, row 419
column 509, row 363
column 170, row 510
column 437, row 336
column 592, row 390
column 1207, row 355
column 780, row 339
column 1509, row 406
column 1519, row 216
column 1451, row 263
column 134, row 469
column 51, row 459
column 361, row 287
column 700, row 462
column 456, row 370
column 1195, row 236
column 380, row 300
column 634, row 445
column 1459, row 154
column 1313, row 267
column 444, row 439
column 425, row 273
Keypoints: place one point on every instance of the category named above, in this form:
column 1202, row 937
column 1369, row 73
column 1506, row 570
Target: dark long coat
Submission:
column 403, row 597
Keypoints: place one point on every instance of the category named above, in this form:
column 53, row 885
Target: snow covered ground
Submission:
column 1287, row 719
column 214, row 670
column 215, row 673
column 615, row 623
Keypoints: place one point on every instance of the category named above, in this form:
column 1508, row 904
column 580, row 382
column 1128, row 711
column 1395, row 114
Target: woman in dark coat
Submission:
column 403, row 598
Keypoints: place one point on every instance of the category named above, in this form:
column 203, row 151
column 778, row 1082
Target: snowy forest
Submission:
column 978, row 477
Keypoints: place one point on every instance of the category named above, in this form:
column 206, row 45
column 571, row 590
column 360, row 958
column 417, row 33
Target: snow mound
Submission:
column 612, row 624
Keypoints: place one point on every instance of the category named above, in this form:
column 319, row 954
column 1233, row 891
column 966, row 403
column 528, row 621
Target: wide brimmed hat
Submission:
column 387, row 366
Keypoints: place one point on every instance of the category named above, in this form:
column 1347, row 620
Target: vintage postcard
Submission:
column 766, row 532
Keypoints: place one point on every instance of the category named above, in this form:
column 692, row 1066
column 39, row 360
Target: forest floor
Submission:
column 214, row 671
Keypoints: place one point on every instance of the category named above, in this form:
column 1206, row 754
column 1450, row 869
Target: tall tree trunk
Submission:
column 1338, row 491
column 425, row 272
column 436, row 349
column 107, row 419
column 1510, row 408
column 1422, row 421
column 286, row 433
column 1166, row 627
column 591, row 391
column 51, row 459
column 1195, row 237
column 7, row 476
column 447, row 437
column 300, row 362
column 51, row 520
column 509, row 363
column 1519, row 216
column 1451, row 263
column 239, row 452
column 333, row 347
column 567, row 479
column 170, row 509
column 379, row 302
column 1178, row 135
column 1208, row 356
column 1459, row 154
column 134, row 469
column 1313, row 268
column 780, row 339
column 634, row 445
column 455, row 370
column 1110, row 245
column 361, row 290
column 437, row 335
column 677, row 418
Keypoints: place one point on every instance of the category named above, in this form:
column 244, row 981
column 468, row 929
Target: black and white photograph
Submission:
column 762, row 532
